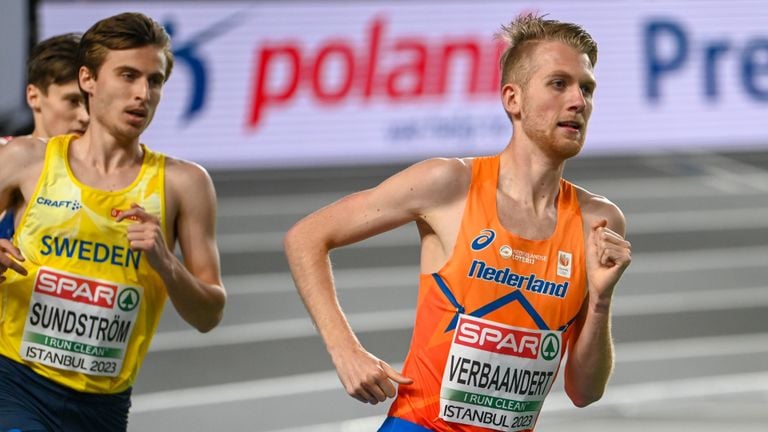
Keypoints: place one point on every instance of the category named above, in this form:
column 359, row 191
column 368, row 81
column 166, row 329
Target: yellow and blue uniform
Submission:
column 85, row 314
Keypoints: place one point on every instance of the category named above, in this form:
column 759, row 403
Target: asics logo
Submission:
column 483, row 240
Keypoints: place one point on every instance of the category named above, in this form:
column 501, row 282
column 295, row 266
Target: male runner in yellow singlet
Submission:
column 53, row 96
column 518, row 266
column 84, row 291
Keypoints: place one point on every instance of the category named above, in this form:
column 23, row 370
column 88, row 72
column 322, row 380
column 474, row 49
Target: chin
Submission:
column 568, row 151
column 129, row 133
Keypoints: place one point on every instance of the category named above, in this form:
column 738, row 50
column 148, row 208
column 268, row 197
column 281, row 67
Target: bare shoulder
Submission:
column 448, row 166
column 188, row 179
column 595, row 207
column 443, row 179
column 185, row 173
column 25, row 149
column 26, row 157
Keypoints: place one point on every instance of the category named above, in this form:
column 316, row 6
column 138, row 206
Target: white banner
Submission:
column 315, row 83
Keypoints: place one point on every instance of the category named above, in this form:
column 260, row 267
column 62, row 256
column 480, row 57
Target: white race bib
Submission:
column 79, row 323
column 496, row 375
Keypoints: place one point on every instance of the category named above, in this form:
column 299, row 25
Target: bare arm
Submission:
column 22, row 164
column 407, row 196
column 194, row 287
column 590, row 360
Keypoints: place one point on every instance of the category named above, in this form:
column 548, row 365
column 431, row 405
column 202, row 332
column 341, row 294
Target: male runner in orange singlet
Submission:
column 518, row 266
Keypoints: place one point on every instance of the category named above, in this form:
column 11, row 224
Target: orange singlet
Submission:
column 492, row 325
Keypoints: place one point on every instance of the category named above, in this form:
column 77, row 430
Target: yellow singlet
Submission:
column 85, row 314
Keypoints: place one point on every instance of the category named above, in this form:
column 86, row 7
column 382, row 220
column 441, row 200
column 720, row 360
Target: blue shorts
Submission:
column 394, row 424
column 32, row 403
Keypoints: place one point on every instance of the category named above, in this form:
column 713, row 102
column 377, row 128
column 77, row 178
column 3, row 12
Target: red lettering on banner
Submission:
column 494, row 78
column 336, row 71
column 261, row 93
column 76, row 288
column 373, row 57
column 472, row 49
column 497, row 339
column 347, row 59
column 413, row 72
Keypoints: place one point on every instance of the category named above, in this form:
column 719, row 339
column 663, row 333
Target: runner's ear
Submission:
column 33, row 97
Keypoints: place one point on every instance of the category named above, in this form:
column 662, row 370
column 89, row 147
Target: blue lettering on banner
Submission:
column 655, row 32
column 84, row 250
column 480, row 270
column 668, row 48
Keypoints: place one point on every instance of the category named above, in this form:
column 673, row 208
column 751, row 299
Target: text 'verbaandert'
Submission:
column 497, row 376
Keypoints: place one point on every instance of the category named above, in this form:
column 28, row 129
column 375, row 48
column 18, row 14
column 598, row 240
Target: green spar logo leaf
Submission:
column 128, row 299
column 551, row 347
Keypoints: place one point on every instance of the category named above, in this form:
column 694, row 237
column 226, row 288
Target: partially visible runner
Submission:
column 54, row 98
column 84, row 286
column 518, row 265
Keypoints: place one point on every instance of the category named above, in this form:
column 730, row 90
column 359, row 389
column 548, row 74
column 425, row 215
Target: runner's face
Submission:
column 61, row 111
column 557, row 102
column 127, row 90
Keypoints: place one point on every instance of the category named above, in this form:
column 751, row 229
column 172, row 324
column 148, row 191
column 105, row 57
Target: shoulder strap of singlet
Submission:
column 485, row 169
column 56, row 153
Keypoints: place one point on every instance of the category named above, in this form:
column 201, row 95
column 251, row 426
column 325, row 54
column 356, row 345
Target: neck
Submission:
column 104, row 151
column 40, row 133
column 530, row 177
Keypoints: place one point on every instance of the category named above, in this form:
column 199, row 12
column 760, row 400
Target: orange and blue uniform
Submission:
column 492, row 325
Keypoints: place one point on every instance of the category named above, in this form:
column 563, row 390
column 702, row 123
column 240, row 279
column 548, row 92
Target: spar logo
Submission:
column 75, row 288
column 551, row 346
column 128, row 299
column 384, row 67
column 498, row 339
column 483, row 240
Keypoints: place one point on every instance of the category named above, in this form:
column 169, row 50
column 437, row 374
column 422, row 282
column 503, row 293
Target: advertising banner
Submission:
column 264, row 84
